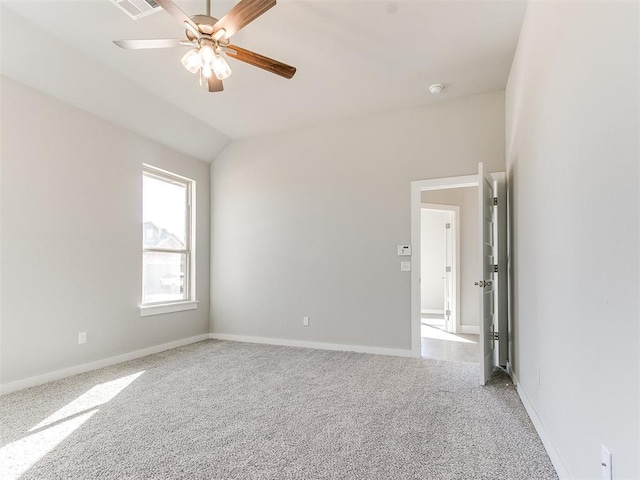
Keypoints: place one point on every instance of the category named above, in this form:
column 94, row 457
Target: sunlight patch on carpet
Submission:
column 435, row 333
column 96, row 396
column 17, row 457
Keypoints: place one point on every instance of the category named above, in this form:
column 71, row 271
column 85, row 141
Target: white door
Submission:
column 500, row 277
column 486, row 282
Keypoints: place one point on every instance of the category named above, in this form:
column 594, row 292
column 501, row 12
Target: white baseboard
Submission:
column 548, row 444
column 469, row 329
column 394, row 352
column 86, row 367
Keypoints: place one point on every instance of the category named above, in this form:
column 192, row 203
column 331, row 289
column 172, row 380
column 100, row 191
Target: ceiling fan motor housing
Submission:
column 205, row 24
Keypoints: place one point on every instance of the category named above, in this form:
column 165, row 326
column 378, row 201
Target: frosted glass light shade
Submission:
column 221, row 67
column 207, row 53
column 206, row 70
column 192, row 60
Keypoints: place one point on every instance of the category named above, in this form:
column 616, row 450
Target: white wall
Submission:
column 470, row 265
column 572, row 150
column 71, row 237
column 307, row 222
column 432, row 259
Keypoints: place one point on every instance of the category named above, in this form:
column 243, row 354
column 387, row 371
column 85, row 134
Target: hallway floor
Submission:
column 440, row 345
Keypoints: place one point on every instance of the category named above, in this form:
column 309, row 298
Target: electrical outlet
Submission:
column 305, row 321
column 82, row 337
column 605, row 463
column 405, row 266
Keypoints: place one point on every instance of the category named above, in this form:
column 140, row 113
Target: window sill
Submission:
column 148, row 310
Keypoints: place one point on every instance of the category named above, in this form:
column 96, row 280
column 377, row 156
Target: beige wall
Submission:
column 71, row 237
column 307, row 223
column 470, row 268
column 573, row 157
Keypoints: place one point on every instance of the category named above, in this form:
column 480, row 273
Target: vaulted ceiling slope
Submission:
column 38, row 59
column 354, row 58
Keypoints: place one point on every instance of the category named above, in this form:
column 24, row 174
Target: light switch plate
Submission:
column 405, row 266
column 404, row 250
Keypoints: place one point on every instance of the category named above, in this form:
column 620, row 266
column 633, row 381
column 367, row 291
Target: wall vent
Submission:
column 138, row 8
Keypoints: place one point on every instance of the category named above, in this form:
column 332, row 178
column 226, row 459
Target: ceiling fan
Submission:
column 209, row 39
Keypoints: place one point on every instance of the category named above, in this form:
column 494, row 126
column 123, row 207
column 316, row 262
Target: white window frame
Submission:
column 189, row 302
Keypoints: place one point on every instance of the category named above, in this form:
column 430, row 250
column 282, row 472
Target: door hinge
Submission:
column 447, row 313
column 447, row 225
column 494, row 336
column 448, row 269
column 495, row 268
column 495, row 200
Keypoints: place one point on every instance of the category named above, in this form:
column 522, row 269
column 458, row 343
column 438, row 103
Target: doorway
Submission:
column 448, row 266
column 488, row 277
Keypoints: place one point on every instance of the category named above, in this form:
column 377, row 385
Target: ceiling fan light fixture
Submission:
column 192, row 60
column 207, row 54
column 207, row 71
column 221, row 67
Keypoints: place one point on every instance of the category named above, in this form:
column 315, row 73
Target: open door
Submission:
column 487, row 282
column 500, row 277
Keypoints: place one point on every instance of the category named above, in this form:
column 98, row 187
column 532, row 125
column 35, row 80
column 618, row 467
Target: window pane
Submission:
column 164, row 210
column 163, row 277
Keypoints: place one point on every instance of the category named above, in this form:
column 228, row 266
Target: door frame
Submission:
column 417, row 187
column 454, row 210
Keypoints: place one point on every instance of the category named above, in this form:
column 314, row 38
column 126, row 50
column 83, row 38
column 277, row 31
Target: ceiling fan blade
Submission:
column 214, row 84
column 260, row 61
column 242, row 14
column 155, row 43
column 175, row 11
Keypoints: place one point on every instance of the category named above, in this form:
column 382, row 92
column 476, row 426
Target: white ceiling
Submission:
column 353, row 57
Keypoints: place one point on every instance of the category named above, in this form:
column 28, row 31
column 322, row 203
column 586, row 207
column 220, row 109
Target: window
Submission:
column 167, row 257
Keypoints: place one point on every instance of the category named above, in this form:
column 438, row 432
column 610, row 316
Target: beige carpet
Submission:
column 225, row 410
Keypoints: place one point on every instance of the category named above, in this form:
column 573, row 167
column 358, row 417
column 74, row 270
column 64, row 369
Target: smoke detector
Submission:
column 436, row 88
